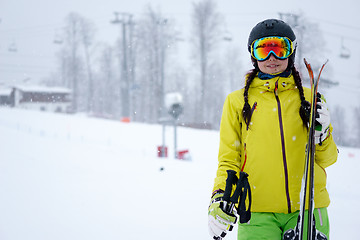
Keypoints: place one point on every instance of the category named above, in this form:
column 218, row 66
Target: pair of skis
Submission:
column 308, row 178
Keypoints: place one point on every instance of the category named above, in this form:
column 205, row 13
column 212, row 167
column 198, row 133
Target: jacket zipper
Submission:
column 283, row 148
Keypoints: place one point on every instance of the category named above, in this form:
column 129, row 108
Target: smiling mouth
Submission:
column 272, row 66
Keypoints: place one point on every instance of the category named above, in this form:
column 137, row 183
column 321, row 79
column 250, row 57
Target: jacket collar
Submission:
column 269, row 85
column 265, row 76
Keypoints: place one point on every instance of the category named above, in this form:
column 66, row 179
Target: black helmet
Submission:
column 272, row 27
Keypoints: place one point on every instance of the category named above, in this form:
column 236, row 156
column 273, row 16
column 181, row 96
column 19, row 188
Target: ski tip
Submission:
column 310, row 71
column 306, row 63
column 327, row 60
column 308, row 66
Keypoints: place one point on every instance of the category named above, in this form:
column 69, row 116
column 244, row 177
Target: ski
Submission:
column 308, row 177
column 310, row 157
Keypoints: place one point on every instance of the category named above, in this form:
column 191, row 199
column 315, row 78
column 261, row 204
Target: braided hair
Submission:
column 246, row 112
column 304, row 110
column 305, row 105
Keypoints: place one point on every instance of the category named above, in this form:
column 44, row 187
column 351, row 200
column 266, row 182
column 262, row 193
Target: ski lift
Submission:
column 12, row 47
column 57, row 39
column 344, row 52
column 227, row 36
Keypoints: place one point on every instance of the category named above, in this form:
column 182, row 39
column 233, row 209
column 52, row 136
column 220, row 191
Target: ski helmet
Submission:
column 272, row 27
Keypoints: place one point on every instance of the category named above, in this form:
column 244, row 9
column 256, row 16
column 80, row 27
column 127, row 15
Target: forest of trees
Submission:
column 130, row 77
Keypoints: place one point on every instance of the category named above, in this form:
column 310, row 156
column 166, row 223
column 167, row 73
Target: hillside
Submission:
column 73, row 177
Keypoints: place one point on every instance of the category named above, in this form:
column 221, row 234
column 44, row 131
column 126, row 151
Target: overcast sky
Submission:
column 31, row 27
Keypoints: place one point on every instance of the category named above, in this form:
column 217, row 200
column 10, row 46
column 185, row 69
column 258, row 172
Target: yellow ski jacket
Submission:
column 272, row 149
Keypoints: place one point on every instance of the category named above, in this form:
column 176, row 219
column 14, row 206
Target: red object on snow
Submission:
column 125, row 119
column 162, row 151
column 183, row 155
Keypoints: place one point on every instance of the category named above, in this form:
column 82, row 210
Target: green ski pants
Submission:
column 272, row 226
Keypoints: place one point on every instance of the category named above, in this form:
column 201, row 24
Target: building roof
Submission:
column 5, row 91
column 42, row 89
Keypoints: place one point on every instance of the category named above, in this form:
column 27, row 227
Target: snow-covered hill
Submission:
column 73, row 177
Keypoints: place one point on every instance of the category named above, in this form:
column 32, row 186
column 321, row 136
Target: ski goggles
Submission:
column 280, row 47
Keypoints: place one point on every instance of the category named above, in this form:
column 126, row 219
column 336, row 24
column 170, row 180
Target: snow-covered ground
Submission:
column 73, row 177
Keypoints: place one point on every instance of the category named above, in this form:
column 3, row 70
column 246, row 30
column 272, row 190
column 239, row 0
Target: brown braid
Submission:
column 305, row 105
column 246, row 112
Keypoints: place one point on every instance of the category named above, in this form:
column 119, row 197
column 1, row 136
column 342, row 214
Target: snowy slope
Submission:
column 72, row 177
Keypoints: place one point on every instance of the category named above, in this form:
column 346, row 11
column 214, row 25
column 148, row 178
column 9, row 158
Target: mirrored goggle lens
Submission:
column 281, row 47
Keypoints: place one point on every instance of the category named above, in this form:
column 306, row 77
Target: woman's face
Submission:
column 273, row 65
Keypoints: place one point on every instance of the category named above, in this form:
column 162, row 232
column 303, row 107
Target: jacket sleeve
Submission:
column 326, row 153
column 229, row 149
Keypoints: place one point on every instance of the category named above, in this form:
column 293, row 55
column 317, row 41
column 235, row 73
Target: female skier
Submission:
column 264, row 132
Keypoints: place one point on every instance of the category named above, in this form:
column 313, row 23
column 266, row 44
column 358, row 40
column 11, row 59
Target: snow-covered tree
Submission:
column 155, row 35
column 87, row 35
column 339, row 125
column 78, row 32
column 357, row 126
column 107, row 85
column 206, row 35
